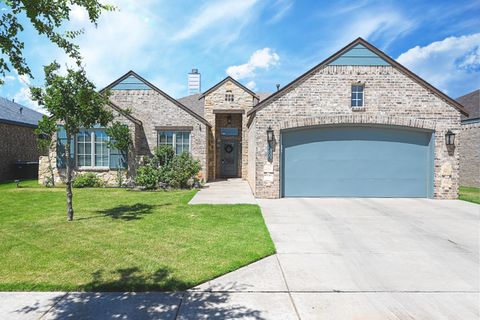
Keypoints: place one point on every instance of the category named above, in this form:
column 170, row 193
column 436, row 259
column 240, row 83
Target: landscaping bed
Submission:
column 121, row 240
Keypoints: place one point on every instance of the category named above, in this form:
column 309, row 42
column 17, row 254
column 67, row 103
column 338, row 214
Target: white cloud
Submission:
column 452, row 63
column 260, row 59
column 251, row 85
column 216, row 14
column 281, row 7
column 119, row 43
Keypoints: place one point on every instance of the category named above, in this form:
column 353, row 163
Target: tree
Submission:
column 47, row 17
column 120, row 139
column 72, row 100
column 44, row 132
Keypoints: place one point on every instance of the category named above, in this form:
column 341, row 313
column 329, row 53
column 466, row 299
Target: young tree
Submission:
column 45, row 131
column 72, row 100
column 120, row 139
column 47, row 17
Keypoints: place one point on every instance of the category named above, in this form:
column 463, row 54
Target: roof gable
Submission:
column 131, row 74
column 359, row 55
column 215, row 87
column 131, row 83
column 374, row 50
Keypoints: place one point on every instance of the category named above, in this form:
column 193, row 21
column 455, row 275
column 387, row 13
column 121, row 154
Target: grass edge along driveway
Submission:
column 122, row 240
column 470, row 194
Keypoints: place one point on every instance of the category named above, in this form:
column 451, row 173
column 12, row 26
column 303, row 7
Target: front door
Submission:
column 228, row 159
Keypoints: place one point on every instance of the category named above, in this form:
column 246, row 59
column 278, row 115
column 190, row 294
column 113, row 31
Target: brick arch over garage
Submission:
column 357, row 119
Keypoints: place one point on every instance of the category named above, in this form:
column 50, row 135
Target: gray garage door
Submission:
column 357, row 161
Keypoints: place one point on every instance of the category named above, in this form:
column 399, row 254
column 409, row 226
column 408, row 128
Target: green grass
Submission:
column 470, row 194
column 121, row 240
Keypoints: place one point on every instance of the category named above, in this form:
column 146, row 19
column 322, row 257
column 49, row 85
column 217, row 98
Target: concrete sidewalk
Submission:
column 229, row 191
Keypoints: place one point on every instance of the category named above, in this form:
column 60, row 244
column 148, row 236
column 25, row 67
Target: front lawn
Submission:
column 470, row 194
column 121, row 240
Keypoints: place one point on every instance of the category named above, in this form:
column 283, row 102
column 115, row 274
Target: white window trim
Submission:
column 174, row 139
column 92, row 151
column 357, row 92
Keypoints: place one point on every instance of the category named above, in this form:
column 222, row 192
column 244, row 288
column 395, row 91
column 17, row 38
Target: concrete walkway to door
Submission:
column 229, row 191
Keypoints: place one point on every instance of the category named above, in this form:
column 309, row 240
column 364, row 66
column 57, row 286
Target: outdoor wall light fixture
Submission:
column 449, row 138
column 269, row 135
column 229, row 119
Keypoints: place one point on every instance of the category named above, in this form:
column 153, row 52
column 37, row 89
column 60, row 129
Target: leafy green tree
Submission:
column 44, row 132
column 47, row 17
column 120, row 139
column 72, row 100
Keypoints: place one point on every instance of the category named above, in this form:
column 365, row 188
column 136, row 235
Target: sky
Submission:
column 260, row 42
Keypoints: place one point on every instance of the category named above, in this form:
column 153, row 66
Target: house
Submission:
column 357, row 125
column 469, row 147
column 18, row 143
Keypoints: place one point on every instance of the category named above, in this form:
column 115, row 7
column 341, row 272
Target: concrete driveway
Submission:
column 337, row 259
column 378, row 258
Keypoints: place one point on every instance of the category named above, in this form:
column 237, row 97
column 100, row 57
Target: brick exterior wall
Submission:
column 469, row 149
column 391, row 98
column 16, row 143
column 153, row 110
column 215, row 100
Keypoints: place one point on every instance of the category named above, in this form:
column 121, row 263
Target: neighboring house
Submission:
column 18, row 143
column 358, row 124
column 469, row 147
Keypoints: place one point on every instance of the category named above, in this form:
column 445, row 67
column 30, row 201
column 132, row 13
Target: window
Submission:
column 229, row 131
column 179, row 140
column 229, row 96
column 357, row 96
column 92, row 150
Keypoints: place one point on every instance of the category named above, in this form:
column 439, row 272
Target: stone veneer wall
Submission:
column 16, row 143
column 215, row 100
column 252, row 147
column 391, row 98
column 469, row 149
column 108, row 176
column 153, row 110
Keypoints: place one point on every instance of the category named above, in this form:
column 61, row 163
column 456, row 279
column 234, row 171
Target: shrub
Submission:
column 87, row 180
column 162, row 155
column 147, row 176
column 180, row 171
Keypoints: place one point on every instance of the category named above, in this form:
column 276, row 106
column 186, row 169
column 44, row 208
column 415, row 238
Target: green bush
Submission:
column 162, row 155
column 147, row 176
column 167, row 169
column 87, row 180
column 180, row 172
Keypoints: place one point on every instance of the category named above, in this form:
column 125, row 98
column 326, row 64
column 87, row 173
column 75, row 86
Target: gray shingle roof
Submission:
column 471, row 102
column 193, row 103
column 14, row 113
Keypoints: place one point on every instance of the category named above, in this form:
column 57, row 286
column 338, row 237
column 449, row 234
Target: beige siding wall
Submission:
column 391, row 98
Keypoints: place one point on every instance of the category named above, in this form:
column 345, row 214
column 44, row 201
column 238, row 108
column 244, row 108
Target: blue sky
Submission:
column 261, row 42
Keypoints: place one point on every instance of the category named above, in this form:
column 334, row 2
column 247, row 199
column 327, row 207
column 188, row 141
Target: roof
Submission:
column 471, row 102
column 14, row 113
column 225, row 80
column 375, row 50
column 263, row 95
column 153, row 87
column 194, row 103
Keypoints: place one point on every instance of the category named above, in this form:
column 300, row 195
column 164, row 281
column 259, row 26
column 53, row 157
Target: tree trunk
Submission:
column 69, row 179
column 50, row 167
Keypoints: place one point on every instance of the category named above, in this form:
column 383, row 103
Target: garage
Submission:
column 357, row 161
